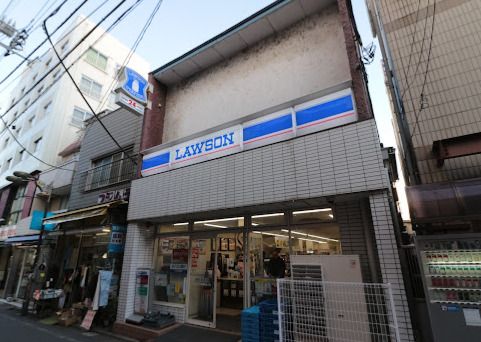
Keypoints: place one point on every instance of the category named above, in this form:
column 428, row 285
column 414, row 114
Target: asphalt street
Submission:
column 16, row 328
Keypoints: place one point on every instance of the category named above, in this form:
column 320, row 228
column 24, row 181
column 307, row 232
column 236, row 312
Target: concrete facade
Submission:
column 281, row 68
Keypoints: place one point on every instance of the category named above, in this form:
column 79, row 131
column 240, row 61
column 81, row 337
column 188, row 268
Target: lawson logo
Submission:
column 326, row 112
column 205, row 146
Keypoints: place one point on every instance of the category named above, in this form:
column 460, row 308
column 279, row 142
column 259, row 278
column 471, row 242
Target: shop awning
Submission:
column 22, row 239
column 80, row 214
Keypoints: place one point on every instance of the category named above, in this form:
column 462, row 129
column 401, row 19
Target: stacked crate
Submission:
column 269, row 321
column 250, row 324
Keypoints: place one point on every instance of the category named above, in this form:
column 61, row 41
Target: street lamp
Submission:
column 20, row 177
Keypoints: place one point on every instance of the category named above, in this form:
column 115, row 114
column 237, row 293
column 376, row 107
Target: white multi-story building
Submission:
column 51, row 116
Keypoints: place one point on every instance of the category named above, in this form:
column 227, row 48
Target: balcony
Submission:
column 109, row 174
column 60, row 179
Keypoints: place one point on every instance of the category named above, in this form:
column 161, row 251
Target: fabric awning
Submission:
column 80, row 214
column 22, row 239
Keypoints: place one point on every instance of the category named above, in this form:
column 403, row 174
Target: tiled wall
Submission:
column 138, row 253
column 389, row 260
column 337, row 161
column 452, row 92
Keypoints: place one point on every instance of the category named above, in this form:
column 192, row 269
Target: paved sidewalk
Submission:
column 14, row 327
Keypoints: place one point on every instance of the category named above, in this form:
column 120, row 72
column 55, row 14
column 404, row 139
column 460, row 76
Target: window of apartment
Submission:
column 13, row 101
column 31, row 121
column 56, row 73
column 112, row 97
column 47, row 63
column 8, row 165
column 97, row 59
column 90, row 87
column 27, row 102
column 64, row 46
column 15, row 114
column 21, row 155
column 5, row 144
column 17, row 205
column 40, row 89
column 23, row 90
column 115, row 168
column 35, row 77
column 79, row 117
column 37, row 144
column 19, row 129
column 47, row 108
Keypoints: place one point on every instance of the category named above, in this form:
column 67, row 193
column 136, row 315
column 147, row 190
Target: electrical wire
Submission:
column 42, row 43
column 130, row 54
column 59, row 39
column 38, row 17
column 417, row 116
column 115, row 23
column 65, row 56
column 6, row 8
column 111, row 27
column 408, row 86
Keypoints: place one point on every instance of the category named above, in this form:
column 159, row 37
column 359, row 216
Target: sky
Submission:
column 179, row 26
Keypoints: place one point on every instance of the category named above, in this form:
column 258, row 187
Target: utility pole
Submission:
column 18, row 38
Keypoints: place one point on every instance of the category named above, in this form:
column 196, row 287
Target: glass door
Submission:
column 201, row 306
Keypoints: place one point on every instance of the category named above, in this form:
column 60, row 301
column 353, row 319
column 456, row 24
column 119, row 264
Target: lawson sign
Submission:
column 317, row 115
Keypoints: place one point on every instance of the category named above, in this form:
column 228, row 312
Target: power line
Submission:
column 80, row 91
column 41, row 44
column 131, row 53
column 111, row 27
column 60, row 39
column 426, row 72
column 38, row 17
column 115, row 23
column 408, row 86
column 65, row 56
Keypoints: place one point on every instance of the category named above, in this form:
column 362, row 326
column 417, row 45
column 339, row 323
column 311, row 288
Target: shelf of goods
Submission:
column 454, row 275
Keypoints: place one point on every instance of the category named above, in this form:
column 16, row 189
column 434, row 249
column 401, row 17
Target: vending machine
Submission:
column 451, row 267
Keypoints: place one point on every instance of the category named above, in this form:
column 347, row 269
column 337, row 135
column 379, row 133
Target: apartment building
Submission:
column 433, row 66
column 52, row 116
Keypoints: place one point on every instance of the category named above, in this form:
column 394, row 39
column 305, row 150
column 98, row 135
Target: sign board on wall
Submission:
column 317, row 115
column 7, row 231
column 132, row 91
column 114, row 195
column 117, row 239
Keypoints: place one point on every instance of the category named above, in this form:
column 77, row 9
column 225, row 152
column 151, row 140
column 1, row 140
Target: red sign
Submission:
column 88, row 319
column 180, row 255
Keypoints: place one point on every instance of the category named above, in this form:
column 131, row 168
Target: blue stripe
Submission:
column 156, row 161
column 268, row 127
column 325, row 110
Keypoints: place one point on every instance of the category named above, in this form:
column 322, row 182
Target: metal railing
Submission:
column 104, row 175
column 336, row 311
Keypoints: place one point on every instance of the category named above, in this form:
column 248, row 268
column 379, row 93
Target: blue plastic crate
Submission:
column 268, row 306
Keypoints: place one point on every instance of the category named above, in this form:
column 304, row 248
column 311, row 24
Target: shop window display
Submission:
column 172, row 255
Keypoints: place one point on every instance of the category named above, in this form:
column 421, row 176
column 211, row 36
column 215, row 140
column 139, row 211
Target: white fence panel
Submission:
column 321, row 311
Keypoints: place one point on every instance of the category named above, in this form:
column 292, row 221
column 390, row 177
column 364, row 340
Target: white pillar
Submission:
column 138, row 253
column 389, row 260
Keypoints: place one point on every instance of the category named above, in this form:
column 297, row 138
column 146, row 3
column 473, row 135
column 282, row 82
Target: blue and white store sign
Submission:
column 317, row 115
column 134, row 85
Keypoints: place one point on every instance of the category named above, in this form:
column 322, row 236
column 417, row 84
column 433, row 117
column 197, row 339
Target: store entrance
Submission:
column 216, row 282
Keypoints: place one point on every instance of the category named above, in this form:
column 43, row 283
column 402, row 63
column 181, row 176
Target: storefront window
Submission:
column 222, row 223
column 173, row 227
column 268, row 219
column 312, row 215
column 172, row 255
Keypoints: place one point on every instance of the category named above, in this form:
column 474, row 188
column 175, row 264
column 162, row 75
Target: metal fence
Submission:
column 315, row 311
column 110, row 173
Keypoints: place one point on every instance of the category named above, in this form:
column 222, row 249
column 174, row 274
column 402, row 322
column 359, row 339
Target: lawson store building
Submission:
column 261, row 141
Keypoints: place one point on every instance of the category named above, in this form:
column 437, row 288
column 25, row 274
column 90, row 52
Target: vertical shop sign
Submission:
column 117, row 239
column 141, row 299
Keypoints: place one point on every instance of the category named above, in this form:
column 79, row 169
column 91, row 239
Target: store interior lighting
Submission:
column 271, row 234
column 181, row 224
column 220, row 220
column 268, row 215
column 301, row 212
column 106, row 230
column 310, row 235
column 214, row 225
column 311, row 240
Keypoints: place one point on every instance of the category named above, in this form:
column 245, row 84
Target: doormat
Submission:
column 228, row 312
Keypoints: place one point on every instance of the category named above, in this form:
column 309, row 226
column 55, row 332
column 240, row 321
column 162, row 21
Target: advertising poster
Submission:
column 117, row 239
